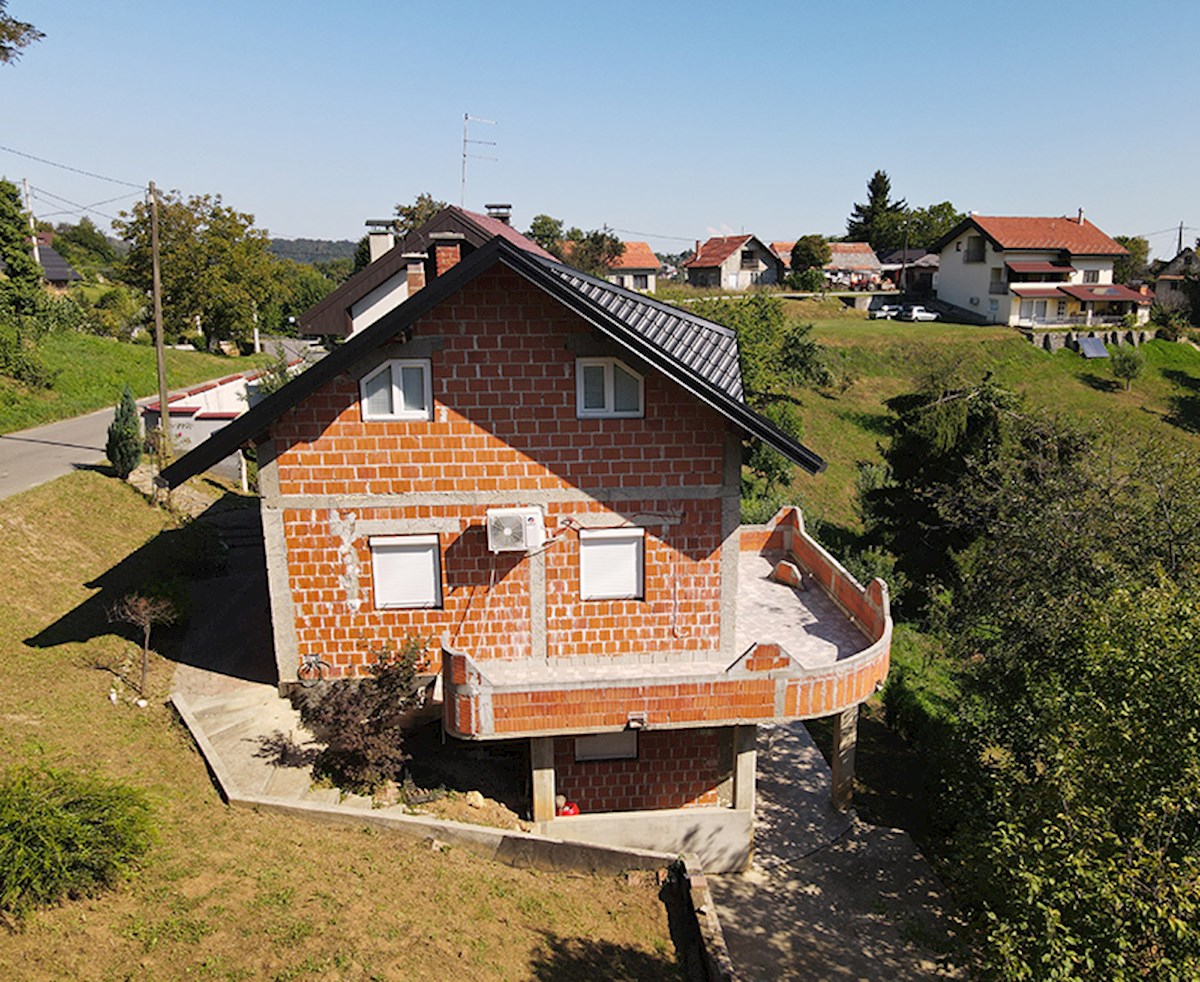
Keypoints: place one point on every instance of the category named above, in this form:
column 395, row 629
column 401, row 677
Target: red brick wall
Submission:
column 504, row 420
column 674, row 769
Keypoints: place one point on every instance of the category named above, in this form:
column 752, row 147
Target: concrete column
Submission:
column 541, row 757
column 845, row 739
column 745, row 764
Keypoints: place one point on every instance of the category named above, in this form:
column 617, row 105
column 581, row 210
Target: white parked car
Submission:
column 886, row 312
column 915, row 312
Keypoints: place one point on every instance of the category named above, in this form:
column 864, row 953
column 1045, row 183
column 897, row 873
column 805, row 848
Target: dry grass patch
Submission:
column 235, row 894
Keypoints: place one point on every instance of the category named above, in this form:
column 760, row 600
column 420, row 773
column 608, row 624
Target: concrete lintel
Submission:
column 455, row 499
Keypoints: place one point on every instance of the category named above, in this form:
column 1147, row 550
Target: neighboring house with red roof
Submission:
column 734, row 262
column 637, row 269
column 784, row 251
column 1029, row 272
column 398, row 270
column 538, row 474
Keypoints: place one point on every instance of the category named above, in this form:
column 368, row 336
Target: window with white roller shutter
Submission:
column 612, row 564
column 406, row 571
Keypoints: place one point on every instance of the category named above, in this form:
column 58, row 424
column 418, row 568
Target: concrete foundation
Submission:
column 720, row 837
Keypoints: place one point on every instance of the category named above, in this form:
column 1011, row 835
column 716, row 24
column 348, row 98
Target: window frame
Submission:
column 608, row 411
column 383, row 541
column 1091, row 276
column 395, row 367
column 631, row 532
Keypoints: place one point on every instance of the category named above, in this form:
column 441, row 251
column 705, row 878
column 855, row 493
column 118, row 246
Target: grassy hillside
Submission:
column 234, row 894
column 92, row 372
column 886, row 358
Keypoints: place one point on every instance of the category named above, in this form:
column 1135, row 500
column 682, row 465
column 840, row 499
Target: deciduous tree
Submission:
column 216, row 266
column 1135, row 266
column 413, row 216
column 547, row 232
column 810, row 251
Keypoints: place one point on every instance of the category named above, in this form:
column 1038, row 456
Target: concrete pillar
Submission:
column 541, row 757
column 745, row 765
column 845, row 739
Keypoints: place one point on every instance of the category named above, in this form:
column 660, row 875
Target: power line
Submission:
column 76, row 170
column 43, row 193
column 652, row 235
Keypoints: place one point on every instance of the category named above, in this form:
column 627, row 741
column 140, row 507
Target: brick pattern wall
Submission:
column 504, row 421
column 504, row 388
column 674, row 769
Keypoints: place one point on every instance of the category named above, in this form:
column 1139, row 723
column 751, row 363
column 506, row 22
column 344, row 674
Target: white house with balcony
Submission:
column 1035, row 272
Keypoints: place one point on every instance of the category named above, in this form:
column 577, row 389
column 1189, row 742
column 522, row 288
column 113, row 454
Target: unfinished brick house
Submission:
column 539, row 471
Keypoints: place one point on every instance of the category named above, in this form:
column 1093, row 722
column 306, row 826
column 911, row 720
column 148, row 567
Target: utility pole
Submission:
column 33, row 226
column 163, row 443
column 1178, row 248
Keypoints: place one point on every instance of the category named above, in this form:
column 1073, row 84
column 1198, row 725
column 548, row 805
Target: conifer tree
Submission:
column 124, row 445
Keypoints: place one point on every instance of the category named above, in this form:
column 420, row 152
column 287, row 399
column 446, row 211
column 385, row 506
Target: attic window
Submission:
column 607, row 387
column 749, row 260
column 397, row 389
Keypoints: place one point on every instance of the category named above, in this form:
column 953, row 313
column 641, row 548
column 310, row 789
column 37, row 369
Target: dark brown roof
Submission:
column 331, row 316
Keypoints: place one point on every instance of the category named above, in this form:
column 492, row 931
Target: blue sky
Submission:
column 669, row 121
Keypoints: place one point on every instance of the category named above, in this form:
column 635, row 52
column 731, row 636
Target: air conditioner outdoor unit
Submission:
column 515, row 529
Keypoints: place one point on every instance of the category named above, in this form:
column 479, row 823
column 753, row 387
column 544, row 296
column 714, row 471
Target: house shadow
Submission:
column 559, row 959
column 1184, row 405
column 213, row 568
column 499, row 770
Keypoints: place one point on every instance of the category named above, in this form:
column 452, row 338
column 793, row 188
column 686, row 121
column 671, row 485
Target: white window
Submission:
column 605, row 387
column 611, row 564
column 607, row 746
column 406, row 571
column 397, row 390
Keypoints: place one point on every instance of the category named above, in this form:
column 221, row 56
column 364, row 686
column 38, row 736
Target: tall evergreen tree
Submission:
column 872, row 222
column 14, row 239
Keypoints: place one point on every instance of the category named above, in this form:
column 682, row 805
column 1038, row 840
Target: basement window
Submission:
column 397, row 389
column 612, row 564
column 406, row 571
column 607, row 746
column 606, row 387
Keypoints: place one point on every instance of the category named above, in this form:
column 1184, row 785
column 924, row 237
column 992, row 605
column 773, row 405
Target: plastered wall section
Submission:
column 504, row 433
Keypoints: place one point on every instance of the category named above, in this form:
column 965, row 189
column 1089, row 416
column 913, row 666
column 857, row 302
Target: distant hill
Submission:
column 313, row 250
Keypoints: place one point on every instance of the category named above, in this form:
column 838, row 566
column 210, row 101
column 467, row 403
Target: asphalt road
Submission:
column 32, row 457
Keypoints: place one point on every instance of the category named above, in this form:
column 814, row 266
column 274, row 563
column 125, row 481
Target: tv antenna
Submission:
column 468, row 118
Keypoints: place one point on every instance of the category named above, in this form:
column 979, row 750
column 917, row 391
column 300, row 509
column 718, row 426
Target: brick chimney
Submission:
column 500, row 212
column 415, row 271
column 446, row 248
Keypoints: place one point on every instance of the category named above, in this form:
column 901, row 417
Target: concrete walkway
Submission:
column 828, row 897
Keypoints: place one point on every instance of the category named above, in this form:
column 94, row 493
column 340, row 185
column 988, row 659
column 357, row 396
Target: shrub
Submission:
column 66, row 835
column 124, row 445
column 362, row 720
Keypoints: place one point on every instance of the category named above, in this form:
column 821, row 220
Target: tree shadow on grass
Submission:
column 560, row 959
column 880, row 424
column 1099, row 383
column 1185, row 404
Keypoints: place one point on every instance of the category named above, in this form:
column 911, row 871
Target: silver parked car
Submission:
column 886, row 312
column 915, row 312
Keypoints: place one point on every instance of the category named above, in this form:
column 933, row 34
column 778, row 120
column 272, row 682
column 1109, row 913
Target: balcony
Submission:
column 811, row 642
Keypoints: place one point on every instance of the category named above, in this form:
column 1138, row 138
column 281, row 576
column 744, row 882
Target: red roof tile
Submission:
column 716, row 250
column 1069, row 234
column 494, row 227
column 784, row 251
column 637, row 255
column 852, row 255
column 1105, row 291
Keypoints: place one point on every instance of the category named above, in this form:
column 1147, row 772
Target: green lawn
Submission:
column 235, row 894
column 92, row 372
column 886, row 358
